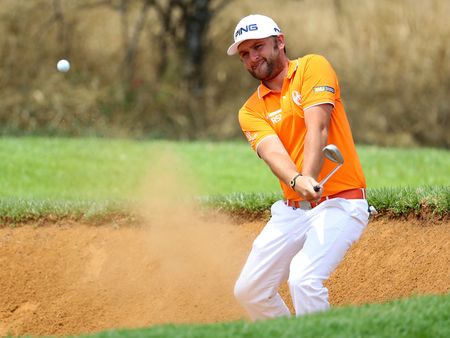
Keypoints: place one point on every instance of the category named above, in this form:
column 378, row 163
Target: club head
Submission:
column 332, row 153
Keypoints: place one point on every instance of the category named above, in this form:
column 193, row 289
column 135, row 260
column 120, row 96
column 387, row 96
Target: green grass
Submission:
column 396, row 201
column 49, row 168
column 402, row 167
column 415, row 317
column 435, row 199
column 58, row 168
column 16, row 210
column 59, row 176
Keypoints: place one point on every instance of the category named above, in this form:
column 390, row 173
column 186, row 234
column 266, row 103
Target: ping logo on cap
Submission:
column 254, row 26
column 248, row 28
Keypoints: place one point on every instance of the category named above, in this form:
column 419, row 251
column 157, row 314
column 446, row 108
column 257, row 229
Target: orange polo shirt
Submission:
column 310, row 81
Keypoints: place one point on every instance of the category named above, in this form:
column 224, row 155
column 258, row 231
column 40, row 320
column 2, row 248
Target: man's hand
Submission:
column 304, row 186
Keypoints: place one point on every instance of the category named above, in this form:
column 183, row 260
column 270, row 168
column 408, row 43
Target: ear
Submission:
column 281, row 41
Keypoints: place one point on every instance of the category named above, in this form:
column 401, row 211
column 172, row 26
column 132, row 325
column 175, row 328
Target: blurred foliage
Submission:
column 134, row 75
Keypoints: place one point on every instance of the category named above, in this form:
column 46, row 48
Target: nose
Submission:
column 254, row 55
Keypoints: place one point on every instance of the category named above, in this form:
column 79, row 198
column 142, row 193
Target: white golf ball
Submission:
column 63, row 65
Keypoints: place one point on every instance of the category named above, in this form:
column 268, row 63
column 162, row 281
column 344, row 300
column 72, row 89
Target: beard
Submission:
column 268, row 68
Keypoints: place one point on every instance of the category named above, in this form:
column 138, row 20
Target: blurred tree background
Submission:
column 159, row 69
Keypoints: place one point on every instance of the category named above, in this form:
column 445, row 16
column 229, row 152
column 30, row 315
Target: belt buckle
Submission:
column 304, row 205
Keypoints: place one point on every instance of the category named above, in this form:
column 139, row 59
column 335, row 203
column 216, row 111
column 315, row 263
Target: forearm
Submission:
column 284, row 168
column 315, row 140
column 281, row 165
column 277, row 158
column 317, row 120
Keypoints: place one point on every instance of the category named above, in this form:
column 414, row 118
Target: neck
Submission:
column 276, row 84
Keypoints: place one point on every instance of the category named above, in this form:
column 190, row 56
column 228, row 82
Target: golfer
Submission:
column 293, row 114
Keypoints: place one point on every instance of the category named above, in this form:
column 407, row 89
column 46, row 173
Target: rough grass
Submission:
column 16, row 210
column 419, row 201
column 416, row 200
column 425, row 201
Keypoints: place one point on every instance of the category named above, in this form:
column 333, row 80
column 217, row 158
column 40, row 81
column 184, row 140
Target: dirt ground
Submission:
column 71, row 278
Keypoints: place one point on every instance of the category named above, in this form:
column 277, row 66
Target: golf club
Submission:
column 332, row 153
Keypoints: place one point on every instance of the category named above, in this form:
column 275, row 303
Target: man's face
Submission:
column 262, row 57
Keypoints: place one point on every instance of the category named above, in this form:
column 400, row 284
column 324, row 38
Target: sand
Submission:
column 69, row 278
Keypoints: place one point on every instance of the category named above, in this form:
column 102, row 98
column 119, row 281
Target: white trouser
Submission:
column 302, row 247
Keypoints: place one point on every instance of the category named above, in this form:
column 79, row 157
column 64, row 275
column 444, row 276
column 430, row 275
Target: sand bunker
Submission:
column 71, row 278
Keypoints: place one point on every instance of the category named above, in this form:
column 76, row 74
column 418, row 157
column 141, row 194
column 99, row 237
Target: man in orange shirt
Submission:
column 295, row 112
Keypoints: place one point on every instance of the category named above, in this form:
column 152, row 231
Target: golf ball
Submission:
column 63, row 65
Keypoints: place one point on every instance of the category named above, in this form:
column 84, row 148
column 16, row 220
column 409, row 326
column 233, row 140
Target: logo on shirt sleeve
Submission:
column 319, row 89
column 250, row 137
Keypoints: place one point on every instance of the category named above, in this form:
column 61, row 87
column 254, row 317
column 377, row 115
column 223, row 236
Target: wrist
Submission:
column 293, row 180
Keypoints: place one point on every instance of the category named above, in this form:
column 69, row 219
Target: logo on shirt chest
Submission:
column 297, row 98
column 275, row 116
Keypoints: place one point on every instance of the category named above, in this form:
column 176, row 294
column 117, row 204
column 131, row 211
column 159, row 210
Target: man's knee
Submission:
column 242, row 290
column 308, row 286
column 309, row 295
column 246, row 291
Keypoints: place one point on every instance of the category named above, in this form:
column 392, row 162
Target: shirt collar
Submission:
column 263, row 90
column 292, row 67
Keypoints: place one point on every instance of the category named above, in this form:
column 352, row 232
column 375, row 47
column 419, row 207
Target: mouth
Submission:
column 258, row 65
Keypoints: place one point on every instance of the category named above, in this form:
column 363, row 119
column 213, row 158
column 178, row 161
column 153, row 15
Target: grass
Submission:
column 425, row 316
column 87, row 177
column 405, row 167
column 52, row 168
column 396, row 201
column 411, row 199
column 16, row 210
column 58, row 168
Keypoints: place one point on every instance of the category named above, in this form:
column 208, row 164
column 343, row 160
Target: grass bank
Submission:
column 415, row 317
column 419, row 201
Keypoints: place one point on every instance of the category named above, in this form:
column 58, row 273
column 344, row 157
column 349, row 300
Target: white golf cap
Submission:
column 254, row 26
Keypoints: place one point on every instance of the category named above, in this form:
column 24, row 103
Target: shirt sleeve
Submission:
column 319, row 82
column 254, row 126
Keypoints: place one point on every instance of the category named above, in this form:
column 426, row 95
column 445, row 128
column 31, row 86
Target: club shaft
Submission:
column 320, row 185
column 329, row 175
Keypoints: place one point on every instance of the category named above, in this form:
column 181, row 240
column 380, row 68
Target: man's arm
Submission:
column 272, row 151
column 317, row 120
